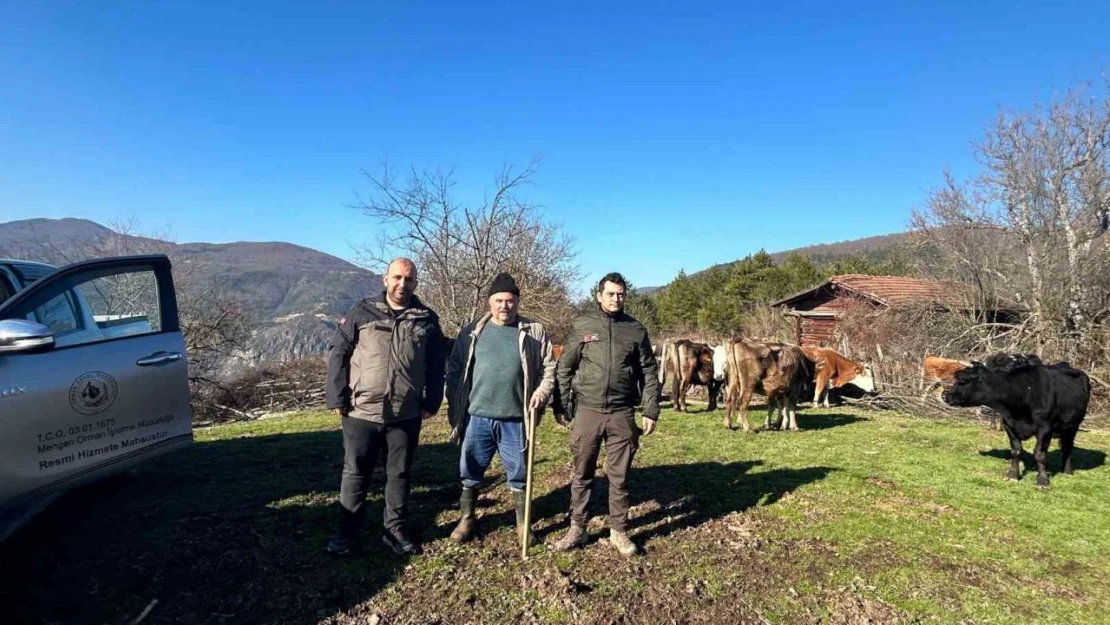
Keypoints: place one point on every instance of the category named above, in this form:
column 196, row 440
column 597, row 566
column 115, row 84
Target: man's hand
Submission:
column 338, row 411
column 561, row 419
column 535, row 403
column 649, row 426
column 425, row 415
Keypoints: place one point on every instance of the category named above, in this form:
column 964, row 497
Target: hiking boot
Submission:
column 464, row 531
column 339, row 546
column 574, row 538
column 622, row 543
column 398, row 543
column 518, row 505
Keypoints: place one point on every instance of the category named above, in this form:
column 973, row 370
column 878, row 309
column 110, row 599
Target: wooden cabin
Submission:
column 815, row 311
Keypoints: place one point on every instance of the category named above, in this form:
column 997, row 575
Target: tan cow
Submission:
column 775, row 370
column 688, row 363
column 938, row 372
column 834, row 371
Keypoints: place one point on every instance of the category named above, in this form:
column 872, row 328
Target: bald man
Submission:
column 385, row 376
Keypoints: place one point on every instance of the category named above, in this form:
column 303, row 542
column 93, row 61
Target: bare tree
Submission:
column 459, row 249
column 1031, row 227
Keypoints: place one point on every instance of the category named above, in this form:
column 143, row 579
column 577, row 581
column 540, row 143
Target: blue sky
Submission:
column 673, row 135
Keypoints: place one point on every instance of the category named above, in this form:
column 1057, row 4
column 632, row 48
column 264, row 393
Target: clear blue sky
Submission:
column 674, row 135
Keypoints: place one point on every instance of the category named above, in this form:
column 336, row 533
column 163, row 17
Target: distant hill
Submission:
column 876, row 249
column 295, row 294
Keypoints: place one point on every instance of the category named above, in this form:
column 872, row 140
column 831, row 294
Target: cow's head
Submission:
column 865, row 379
column 720, row 362
column 970, row 388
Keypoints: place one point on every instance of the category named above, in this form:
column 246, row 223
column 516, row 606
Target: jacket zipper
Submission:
column 608, row 368
column 390, row 370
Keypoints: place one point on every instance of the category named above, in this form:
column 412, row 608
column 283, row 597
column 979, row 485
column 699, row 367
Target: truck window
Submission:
column 98, row 306
column 6, row 289
column 60, row 314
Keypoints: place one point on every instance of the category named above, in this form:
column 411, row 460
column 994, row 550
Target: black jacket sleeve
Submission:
column 565, row 372
column 436, row 359
column 649, row 366
column 342, row 345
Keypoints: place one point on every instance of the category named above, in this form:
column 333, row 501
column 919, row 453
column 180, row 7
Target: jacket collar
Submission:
column 522, row 323
column 416, row 308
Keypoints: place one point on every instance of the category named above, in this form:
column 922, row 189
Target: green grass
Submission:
column 861, row 516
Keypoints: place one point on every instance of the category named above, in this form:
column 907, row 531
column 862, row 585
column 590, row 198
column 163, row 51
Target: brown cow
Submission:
column 834, row 371
column 689, row 363
column 776, row 370
column 940, row 373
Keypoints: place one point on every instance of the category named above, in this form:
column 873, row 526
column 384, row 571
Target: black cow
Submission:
column 1033, row 399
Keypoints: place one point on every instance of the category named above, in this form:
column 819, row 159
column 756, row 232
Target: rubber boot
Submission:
column 464, row 531
column 518, row 505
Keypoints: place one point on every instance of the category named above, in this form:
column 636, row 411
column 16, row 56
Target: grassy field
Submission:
column 862, row 517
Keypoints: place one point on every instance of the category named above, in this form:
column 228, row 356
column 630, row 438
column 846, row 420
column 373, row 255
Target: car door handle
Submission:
column 158, row 358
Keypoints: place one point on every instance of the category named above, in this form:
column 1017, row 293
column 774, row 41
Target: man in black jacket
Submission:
column 608, row 365
column 385, row 376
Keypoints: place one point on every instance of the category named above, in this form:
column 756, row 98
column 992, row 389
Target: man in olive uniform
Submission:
column 608, row 364
column 385, row 376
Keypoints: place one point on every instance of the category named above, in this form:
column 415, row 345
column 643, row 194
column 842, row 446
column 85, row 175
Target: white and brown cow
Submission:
column 689, row 363
column 833, row 370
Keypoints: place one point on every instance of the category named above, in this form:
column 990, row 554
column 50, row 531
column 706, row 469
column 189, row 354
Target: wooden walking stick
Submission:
column 530, row 432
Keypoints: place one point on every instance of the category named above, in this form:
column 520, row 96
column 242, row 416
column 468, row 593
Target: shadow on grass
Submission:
column 808, row 421
column 677, row 496
column 1081, row 459
column 228, row 531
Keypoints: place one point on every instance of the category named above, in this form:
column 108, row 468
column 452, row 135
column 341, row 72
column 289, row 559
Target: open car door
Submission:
column 93, row 379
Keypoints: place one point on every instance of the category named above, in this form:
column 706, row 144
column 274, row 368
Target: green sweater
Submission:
column 498, row 387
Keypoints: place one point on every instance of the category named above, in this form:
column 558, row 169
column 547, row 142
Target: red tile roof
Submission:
column 896, row 290
column 891, row 290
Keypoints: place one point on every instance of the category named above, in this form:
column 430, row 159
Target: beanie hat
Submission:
column 503, row 283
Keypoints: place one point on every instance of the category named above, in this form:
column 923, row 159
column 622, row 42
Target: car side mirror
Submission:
column 21, row 335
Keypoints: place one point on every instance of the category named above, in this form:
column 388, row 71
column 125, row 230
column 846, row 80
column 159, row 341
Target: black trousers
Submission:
column 364, row 443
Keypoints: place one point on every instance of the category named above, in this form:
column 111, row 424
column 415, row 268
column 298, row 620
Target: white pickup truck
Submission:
column 93, row 376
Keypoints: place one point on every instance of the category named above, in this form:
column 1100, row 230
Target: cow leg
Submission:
column 792, row 405
column 745, row 399
column 820, row 386
column 772, row 405
column 1040, row 453
column 1015, row 455
column 1067, row 444
column 730, row 405
column 712, row 389
column 932, row 387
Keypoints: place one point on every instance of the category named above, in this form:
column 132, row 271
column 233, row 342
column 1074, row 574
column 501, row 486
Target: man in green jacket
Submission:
column 608, row 365
column 501, row 371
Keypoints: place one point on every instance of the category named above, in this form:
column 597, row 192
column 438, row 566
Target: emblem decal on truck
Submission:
column 93, row 393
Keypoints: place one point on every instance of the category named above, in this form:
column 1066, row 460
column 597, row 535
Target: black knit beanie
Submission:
column 503, row 283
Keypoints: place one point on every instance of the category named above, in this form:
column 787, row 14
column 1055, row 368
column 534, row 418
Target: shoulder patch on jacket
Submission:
column 590, row 338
